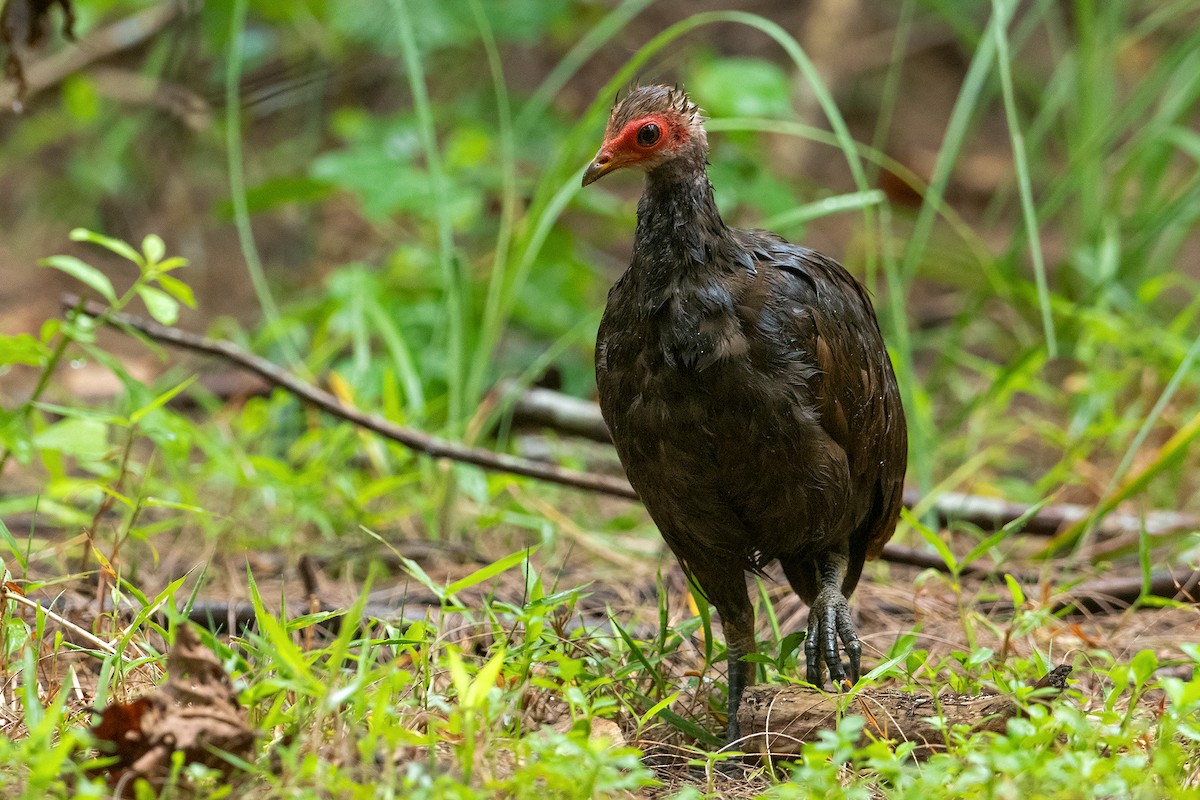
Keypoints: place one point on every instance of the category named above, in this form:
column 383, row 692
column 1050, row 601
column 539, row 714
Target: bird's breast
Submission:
column 685, row 377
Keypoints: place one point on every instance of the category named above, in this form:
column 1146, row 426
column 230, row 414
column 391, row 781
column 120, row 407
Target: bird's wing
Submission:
column 828, row 318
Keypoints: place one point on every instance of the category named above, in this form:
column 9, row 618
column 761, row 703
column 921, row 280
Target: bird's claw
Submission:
column 828, row 621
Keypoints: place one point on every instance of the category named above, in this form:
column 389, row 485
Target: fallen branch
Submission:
column 777, row 720
column 546, row 408
column 568, row 414
column 125, row 34
column 991, row 513
column 1104, row 595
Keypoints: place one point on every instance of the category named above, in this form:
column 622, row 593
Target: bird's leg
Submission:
column 737, row 620
column 739, row 641
column 829, row 620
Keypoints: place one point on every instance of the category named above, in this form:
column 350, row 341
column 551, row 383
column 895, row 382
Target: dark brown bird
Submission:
column 749, row 394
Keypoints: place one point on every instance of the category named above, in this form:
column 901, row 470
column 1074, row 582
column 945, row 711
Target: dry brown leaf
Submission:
column 195, row 712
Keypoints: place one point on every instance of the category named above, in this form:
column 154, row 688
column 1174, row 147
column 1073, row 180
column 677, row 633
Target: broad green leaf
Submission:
column 172, row 263
column 23, row 348
column 790, row 644
column 83, row 272
column 279, row 191
column 1143, row 665
column 161, row 305
column 153, row 249
column 80, row 98
column 85, row 439
column 743, row 87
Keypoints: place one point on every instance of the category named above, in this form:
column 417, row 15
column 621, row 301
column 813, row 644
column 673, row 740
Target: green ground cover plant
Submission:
column 398, row 626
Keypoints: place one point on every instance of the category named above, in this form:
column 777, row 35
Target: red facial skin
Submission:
column 624, row 149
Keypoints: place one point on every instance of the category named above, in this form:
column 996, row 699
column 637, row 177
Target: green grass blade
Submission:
column 1003, row 10
column 596, row 37
column 491, row 325
column 237, row 184
column 490, row 571
column 454, row 281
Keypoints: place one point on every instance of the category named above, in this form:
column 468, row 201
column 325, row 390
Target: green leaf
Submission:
column 153, row 249
column 1143, row 664
column 161, row 305
column 85, row 439
column 289, row 659
column 884, row 667
column 705, row 613
column 83, row 272
column 743, row 87
column 837, row 204
column 161, row 400
column 1014, row 588
column 23, row 348
column 491, row 570
column 279, row 191
column 484, row 681
column 661, row 705
column 980, row 655
column 758, row 658
column 930, row 536
column 790, row 644
column 80, row 98
column 459, row 678
column 172, row 263
column 638, row 654
column 177, row 289
column 108, row 243
column 412, row 568
column 17, row 551
column 689, row 727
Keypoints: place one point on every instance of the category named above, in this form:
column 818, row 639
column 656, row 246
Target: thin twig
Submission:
column 82, row 633
column 433, row 446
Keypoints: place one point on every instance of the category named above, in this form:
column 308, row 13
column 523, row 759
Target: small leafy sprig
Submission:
column 154, row 284
column 162, row 301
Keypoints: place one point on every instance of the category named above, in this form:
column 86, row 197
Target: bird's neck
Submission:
column 679, row 228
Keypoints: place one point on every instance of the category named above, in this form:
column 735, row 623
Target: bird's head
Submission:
column 649, row 127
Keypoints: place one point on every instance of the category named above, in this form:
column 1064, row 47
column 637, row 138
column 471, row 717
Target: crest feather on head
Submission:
column 642, row 100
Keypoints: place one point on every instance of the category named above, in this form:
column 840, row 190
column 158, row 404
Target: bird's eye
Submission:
column 649, row 134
